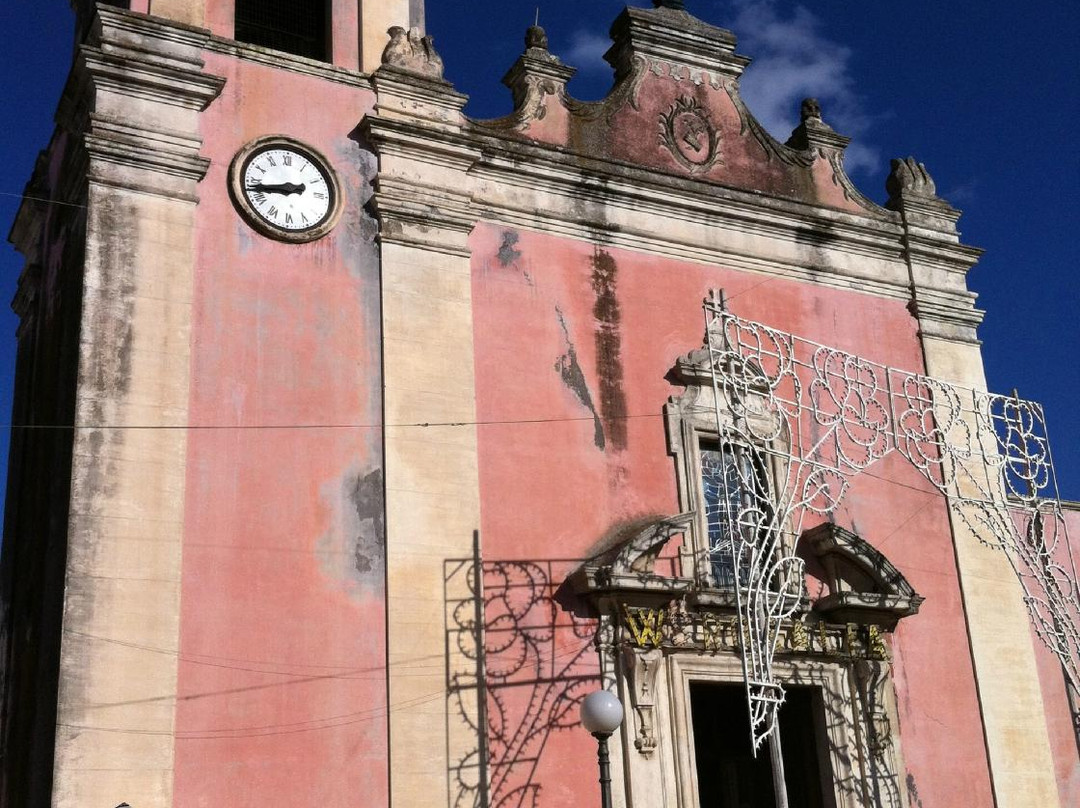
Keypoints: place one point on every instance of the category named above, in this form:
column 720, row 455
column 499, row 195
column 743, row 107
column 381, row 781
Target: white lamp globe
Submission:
column 601, row 712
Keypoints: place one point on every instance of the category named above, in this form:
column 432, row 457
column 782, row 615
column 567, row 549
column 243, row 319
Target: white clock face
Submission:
column 288, row 189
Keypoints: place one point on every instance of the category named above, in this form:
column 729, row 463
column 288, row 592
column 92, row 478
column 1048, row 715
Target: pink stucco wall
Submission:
column 1063, row 742
column 282, row 695
column 549, row 490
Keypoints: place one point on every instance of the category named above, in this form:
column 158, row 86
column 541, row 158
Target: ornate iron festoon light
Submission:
column 822, row 416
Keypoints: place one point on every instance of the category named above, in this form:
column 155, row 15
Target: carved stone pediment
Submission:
column 864, row 586
column 629, row 565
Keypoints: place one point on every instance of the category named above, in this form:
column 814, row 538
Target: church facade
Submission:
column 398, row 432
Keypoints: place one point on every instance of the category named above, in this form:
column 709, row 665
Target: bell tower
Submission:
column 347, row 33
column 201, row 300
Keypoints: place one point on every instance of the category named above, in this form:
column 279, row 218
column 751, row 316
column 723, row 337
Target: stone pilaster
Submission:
column 376, row 18
column 1014, row 724
column 132, row 104
column 432, row 488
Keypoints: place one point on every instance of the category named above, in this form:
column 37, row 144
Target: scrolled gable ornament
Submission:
column 687, row 132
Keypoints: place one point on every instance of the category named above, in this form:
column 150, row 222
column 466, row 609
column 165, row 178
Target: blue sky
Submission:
column 987, row 94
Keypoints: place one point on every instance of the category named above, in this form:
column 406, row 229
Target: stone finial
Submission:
column 536, row 73
column 536, row 37
column 412, row 51
column 810, row 110
column 678, row 5
column 909, row 178
column 812, row 132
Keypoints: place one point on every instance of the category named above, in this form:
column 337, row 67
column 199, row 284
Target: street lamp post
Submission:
column 601, row 714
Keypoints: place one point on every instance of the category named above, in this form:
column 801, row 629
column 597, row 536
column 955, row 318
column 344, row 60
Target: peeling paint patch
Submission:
column 508, row 252
column 569, row 369
column 609, row 347
column 351, row 552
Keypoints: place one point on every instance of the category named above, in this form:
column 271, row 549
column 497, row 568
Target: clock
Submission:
column 285, row 189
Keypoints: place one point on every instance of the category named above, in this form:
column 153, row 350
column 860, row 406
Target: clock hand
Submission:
column 278, row 188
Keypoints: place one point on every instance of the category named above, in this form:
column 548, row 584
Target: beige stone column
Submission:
column 120, row 644
column 1014, row 721
column 432, row 488
column 376, row 18
column 191, row 12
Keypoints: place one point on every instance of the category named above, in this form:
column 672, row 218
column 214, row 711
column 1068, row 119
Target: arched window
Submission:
column 300, row 27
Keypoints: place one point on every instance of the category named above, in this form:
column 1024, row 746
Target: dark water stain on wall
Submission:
column 508, row 252
column 609, row 347
column 351, row 552
column 574, row 379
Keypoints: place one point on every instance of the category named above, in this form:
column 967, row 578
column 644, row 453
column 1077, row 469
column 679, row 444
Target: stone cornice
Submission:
column 280, row 60
column 547, row 188
column 131, row 60
column 674, row 37
column 182, row 87
column 408, row 95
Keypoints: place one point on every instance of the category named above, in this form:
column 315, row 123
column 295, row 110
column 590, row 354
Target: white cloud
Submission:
column 587, row 51
column 793, row 60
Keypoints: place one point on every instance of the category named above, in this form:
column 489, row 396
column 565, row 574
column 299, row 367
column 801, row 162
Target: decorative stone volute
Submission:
column 912, row 191
column 536, row 73
column 909, row 178
column 412, row 51
column 668, row 35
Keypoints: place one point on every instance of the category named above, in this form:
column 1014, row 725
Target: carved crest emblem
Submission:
column 687, row 132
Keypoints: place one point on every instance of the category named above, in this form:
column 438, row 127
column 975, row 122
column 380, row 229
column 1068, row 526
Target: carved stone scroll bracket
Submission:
column 872, row 678
column 640, row 668
column 605, row 640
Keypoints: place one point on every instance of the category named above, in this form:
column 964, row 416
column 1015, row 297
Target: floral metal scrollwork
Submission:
column 833, row 415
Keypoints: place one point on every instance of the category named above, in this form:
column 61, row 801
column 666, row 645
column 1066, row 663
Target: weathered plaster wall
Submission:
column 573, row 342
column 1063, row 740
column 282, row 679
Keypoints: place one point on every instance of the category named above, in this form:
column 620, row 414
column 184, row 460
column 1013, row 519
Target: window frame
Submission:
column 691, row 421
column 832, row 680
